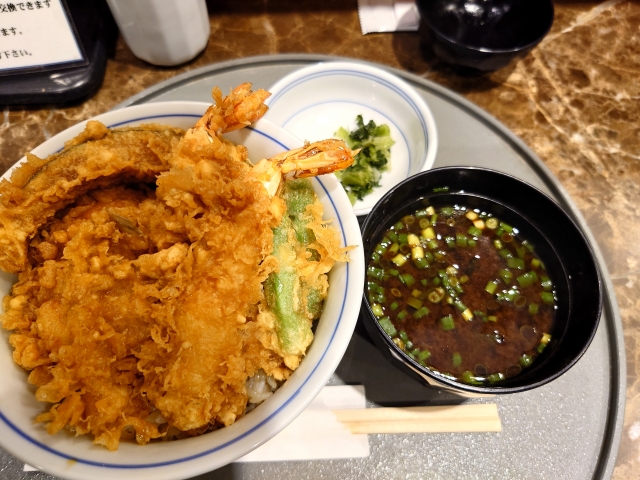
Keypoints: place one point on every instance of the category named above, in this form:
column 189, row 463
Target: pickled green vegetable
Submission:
column 374, row 142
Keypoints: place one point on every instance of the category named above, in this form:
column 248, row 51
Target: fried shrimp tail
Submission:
column 318, row 158
column 240, row 109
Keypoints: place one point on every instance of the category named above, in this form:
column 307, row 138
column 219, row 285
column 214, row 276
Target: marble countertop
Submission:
column 575, row 100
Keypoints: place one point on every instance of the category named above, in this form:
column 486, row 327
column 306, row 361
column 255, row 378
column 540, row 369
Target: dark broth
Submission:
column 460, row 292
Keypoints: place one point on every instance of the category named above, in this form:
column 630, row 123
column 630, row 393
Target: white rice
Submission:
column 259, row 388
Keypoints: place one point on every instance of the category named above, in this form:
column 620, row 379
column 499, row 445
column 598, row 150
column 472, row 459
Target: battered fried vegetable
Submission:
column 296, row 290
column 139, row 307
column 41, row 187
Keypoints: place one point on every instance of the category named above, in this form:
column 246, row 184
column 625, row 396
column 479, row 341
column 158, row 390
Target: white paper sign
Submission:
column 34, row 34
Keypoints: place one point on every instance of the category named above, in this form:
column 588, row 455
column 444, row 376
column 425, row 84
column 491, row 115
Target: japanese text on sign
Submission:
column 35, row 34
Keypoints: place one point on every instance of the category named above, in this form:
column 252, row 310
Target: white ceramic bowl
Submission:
column 313, row 102
column 76, row 457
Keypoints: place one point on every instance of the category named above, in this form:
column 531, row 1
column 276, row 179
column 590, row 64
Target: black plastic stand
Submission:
column 97, row 33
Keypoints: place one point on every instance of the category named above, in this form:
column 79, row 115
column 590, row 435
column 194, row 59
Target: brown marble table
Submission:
column 575, row 100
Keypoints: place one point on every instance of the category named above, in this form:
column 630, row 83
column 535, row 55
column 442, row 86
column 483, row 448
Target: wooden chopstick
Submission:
column 456, row 418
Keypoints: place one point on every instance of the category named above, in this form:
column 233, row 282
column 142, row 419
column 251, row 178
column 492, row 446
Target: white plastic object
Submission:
column 163, row 32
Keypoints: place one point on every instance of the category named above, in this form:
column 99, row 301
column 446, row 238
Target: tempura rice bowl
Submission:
column 77, row 458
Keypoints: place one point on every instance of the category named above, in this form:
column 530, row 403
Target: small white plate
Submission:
column 315, row 101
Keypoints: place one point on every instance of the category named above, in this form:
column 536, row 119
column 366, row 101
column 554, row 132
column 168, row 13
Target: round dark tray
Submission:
column 568, row 429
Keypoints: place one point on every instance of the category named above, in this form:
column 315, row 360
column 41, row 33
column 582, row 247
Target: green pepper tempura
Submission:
column 306, row 249
column 374, row 142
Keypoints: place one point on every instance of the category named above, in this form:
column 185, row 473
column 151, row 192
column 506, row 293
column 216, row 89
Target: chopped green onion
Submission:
column 414, row 302
column 394, row 305
column 428, row 233
column 375, row 272
column 450, row 241
column 525, row 360
column 461, row 240
column 436, row 295
column 447, row 323
column 387, row 326
column 491, row 223
column 421, row 262
column 456, row 359
column 407, row 279
column 448, row 211
column 421, row 312
column 491, row 287
column 520, row 301
column 517, row 263
column 506, row 275
column 506, row 227
column 377, row 310
column 413, row 240
column 459, row 305
column 402, row 315
column 468, row 377
column 403, row 336
column 399, row 260
column 533, row 308
column 547, row 297
column 381, row 248
column 440, row 256
column 476, row 232
column 527, row 279
column 423, row 355
column 527, row 245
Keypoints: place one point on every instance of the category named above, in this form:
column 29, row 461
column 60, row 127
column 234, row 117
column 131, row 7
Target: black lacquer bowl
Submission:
column 483, row 35
column 559, row 242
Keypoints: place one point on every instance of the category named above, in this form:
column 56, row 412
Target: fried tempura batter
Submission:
column 137, row 302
